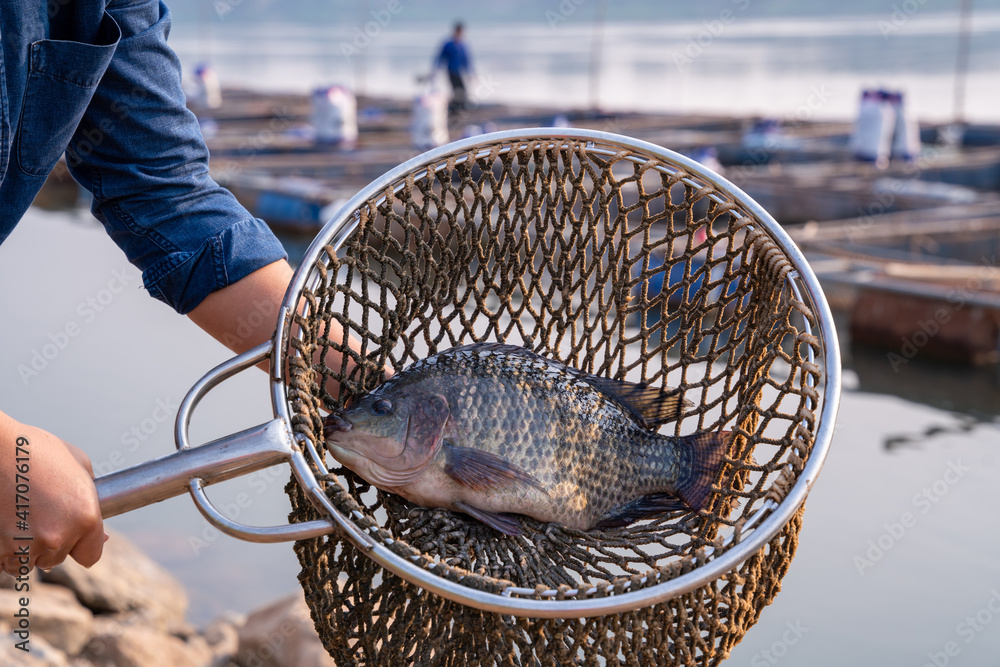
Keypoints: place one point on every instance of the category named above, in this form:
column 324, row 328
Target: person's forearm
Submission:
column 245, row 314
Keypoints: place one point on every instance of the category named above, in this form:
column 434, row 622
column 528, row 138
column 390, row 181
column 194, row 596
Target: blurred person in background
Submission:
column 454, row 58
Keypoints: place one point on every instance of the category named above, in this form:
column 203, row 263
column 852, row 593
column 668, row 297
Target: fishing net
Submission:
column 615, row 260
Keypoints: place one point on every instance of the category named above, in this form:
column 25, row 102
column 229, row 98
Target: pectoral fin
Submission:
column 505, row 523
column 483, row 471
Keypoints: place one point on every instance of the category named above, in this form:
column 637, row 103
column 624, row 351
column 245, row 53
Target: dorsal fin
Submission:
column 651, row 406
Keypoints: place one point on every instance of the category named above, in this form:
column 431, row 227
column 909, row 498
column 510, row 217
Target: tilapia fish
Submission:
column 496, row 430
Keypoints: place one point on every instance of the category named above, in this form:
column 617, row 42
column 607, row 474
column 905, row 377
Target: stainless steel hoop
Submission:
column 769, row 519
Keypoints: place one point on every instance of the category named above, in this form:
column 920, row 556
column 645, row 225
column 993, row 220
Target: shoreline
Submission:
column 129, row 611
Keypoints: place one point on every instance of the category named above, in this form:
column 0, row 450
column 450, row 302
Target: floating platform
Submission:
column 909, row 249
column 264, row 149
column 915, row 283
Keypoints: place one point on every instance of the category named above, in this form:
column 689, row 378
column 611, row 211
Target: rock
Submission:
column 41, row 653
column 8, row 581
column 54, row 614
column 118, row 644
column 281, row 635
column 138, row 621
column 125, row 579
column 223, row 637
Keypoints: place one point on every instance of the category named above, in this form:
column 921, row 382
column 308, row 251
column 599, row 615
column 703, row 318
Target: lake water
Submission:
column 863, row 589
column 729, row 56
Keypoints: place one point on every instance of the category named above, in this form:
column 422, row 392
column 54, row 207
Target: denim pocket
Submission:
column 61, row 82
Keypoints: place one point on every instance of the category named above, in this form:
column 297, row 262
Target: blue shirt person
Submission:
column 454, row 57
column 95, row 79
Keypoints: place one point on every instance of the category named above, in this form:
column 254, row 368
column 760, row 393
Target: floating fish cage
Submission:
column 618, row 258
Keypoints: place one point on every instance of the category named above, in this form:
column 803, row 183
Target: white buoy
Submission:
column 906, row 132
column 429, row 123
column 873, row 129
column 206, row 91
column 334, row 115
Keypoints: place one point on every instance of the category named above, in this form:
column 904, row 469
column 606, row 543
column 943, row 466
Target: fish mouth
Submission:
column 335, row 424
column 354, row 442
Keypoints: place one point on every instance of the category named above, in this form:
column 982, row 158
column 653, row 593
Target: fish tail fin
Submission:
column 708, row 453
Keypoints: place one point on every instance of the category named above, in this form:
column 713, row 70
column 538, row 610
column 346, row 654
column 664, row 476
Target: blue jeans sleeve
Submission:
column 141, row 153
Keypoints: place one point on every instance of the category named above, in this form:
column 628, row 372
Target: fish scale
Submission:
column 546, row 420
column 492, row 429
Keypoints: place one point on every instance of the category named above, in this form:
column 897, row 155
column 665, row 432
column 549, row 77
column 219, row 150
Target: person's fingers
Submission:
column 18, row 565
column 88, row 549
column 49, row 558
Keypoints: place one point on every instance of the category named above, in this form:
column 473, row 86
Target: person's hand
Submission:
column 48, row 503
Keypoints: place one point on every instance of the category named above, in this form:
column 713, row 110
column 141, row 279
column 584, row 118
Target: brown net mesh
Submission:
column 613, row 262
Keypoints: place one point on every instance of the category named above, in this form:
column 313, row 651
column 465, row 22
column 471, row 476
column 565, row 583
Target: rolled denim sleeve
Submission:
column 141, row 153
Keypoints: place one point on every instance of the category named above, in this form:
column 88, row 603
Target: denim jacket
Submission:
column 96, row 79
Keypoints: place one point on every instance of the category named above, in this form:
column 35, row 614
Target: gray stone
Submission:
column 282, row 635
column 125, row 579
column 121, row 645
column 223, row 638
column 55, row 615
column 41, row 654
column 8, row 581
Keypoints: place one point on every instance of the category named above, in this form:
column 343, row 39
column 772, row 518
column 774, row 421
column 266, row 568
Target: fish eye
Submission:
column 382, row 406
